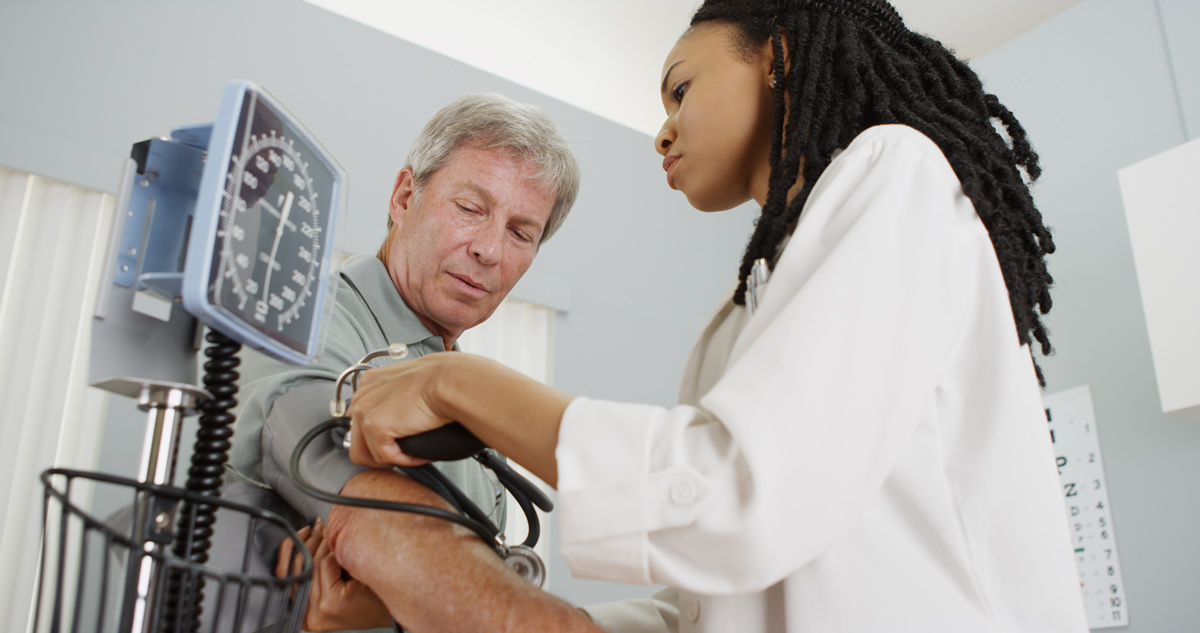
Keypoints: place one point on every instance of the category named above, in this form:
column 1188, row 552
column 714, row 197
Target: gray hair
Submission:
column 491, row 121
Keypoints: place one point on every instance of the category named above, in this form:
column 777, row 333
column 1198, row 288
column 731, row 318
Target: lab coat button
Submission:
column 682, row 492
column 691, row 609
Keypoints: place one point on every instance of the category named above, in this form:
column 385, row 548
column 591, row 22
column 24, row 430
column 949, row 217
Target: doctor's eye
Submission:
column 678, row 91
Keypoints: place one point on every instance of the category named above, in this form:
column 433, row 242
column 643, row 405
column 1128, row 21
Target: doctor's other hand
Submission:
column 335, row 601
column 397, row 401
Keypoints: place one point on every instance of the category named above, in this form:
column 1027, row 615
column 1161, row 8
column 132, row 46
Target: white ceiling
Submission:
column 605, row 57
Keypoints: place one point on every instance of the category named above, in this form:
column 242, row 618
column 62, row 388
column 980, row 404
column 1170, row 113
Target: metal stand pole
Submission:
column 154, row 518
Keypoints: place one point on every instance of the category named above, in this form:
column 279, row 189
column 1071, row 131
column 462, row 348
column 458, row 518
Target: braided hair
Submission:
column 853, row 65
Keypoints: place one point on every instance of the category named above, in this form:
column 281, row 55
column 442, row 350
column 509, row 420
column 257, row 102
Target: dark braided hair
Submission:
column 853, row 65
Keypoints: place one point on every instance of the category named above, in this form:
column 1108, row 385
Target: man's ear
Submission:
column 402, row 195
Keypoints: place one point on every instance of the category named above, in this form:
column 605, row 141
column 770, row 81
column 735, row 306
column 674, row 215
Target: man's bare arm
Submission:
column 434, row 575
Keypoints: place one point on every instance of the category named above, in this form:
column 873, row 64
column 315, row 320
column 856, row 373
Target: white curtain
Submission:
column 53, row 238
column 520, row 335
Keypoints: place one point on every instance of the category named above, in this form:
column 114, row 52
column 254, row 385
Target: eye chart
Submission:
column 1072, row 422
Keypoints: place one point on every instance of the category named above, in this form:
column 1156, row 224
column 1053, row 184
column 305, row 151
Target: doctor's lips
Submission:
column 668, row 166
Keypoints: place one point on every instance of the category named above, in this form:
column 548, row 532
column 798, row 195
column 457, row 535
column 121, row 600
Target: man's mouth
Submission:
column 470, row 284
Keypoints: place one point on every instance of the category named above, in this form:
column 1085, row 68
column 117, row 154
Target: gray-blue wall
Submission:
column 1100, row 86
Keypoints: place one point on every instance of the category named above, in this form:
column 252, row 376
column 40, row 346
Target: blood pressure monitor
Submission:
column 260, row 251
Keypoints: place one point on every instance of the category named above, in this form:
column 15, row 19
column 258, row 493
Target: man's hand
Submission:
column 335, row 603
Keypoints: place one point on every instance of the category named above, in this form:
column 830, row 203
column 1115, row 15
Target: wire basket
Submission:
column 146, row 568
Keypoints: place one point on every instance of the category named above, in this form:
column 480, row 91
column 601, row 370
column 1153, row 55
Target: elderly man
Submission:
column 484, row 185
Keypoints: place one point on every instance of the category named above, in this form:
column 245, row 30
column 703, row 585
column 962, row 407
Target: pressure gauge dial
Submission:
column 262, row 232
column 270, row 234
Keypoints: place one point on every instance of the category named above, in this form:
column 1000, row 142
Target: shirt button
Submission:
column 691, row 609
column 682, row 492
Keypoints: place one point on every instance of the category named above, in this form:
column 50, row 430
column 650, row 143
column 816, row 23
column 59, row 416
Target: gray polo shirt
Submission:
column 279, row 403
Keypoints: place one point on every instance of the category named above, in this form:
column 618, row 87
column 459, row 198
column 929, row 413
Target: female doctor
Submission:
column 860, row 443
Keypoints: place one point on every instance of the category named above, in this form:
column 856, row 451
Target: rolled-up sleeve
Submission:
column 657, row 614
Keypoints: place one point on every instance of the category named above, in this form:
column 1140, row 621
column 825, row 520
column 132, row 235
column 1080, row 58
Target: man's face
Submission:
column 461, row 246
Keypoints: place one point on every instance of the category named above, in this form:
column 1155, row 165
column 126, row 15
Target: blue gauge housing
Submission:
column 259, row 265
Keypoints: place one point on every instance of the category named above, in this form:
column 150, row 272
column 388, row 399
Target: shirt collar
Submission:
column 368, row 277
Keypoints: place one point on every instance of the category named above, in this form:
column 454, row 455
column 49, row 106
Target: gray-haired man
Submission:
column 484, row 185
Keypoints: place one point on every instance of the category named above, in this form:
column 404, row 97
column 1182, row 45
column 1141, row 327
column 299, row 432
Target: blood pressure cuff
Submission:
column 324, row 463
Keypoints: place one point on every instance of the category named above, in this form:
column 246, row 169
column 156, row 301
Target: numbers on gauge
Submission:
column 270, row 231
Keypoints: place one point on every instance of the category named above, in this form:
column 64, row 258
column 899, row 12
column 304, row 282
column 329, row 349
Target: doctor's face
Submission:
column 716, row 139
column 462, row 244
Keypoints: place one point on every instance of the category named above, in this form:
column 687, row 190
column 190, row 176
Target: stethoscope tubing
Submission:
column 524, row 492
column 488, row 535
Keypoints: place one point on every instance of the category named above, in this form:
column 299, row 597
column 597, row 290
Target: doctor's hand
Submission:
column 397, row 401
column 504, row 408
column 335, row 602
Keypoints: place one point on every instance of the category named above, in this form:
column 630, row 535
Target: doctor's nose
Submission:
column 664, row 140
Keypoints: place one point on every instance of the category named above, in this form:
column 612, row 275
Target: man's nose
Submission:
column 665, row 138
column 487, row 244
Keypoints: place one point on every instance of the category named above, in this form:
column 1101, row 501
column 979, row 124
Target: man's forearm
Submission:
column 434, row 575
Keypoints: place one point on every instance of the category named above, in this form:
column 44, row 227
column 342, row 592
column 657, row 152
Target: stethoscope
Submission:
column 448, row 443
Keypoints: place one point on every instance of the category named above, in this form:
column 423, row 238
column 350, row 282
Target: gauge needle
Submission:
column 275, row 212
column 283, row 218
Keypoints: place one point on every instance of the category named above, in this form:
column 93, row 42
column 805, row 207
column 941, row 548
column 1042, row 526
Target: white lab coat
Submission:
column 867, row 452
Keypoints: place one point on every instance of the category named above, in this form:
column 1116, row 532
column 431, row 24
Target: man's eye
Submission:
column 522, row 235
column 466, row 209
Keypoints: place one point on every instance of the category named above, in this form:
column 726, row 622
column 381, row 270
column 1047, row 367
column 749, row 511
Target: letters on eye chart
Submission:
column 1072, row 426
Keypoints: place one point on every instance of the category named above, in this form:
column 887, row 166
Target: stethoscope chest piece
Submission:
column 527, row 563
